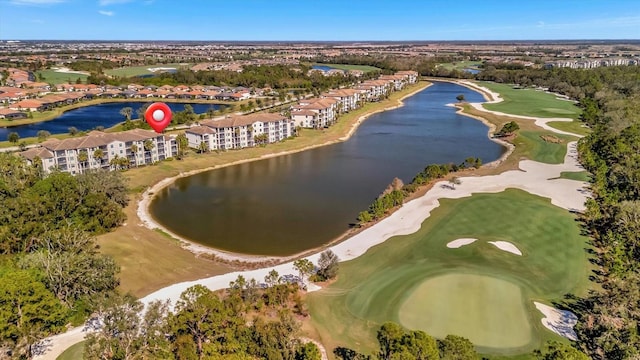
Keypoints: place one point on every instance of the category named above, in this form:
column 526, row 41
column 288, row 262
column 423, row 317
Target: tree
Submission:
column 148, row 146
column 98, row 154
column 117, row 338
column 460, row 98
column 134, row 149
column 73, row 131
column 83, row 158
column 13, row 137
column 203, row 147
column 28, row 312
column 272, row 278
column 554, row 350
column 183, row 145
column 72, row 269
column 454, row 181
column 308, row 351
column 328, row 265
column 43, row 135
column 508, row 129
column 126, row 112
column 457, row 348
column 304, row 267
column 364, row 217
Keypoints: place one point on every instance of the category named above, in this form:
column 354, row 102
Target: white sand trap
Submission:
column 506, row 246
column 460, row 243
column 560, row 322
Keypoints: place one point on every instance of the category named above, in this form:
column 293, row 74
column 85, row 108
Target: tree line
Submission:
column 397, row 191
column 246, row 321
column 51, row 273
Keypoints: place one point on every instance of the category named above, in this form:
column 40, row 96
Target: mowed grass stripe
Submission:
column 372, row 288
column 488, row 311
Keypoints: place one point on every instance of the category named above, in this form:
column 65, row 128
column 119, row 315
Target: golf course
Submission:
column 477, row 290
column 477, row 265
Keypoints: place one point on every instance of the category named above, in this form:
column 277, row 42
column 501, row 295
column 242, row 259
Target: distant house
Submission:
column 10, row 114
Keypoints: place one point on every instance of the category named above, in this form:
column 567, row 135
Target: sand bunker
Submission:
column 560, row 322
column 506, row 246
column 460, row 243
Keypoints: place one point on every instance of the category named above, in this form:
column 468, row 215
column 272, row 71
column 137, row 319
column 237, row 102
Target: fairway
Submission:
column 141, row 70
column 55, row 77
column 488, row 311
column 530, row 102
column 477, row 290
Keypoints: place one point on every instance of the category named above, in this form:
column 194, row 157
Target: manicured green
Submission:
column 537, row 149
column 575, row 127
column 379, row 285
column 530, row 102
column 577, row 175
column 364, row 68
column 54, row 77
column 141, row 70
column 461, row 65
column 75, row 352
column 471, row 306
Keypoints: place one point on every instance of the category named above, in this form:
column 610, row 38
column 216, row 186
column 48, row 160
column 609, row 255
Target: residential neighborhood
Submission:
column 132, row 148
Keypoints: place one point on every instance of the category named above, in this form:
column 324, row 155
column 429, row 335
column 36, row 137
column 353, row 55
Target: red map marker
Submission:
column 158, row 115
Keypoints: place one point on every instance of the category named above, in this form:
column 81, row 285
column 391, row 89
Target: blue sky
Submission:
column 319, row 20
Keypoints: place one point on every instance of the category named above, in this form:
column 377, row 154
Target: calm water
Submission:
column 323, row 67
column 87, row 118
column 291, row 203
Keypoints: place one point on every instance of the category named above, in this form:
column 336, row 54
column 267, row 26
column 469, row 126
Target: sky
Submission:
column 312, row 20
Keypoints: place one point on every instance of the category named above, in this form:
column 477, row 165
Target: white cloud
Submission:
column 35, row 2
column 106, row 13
column 112, row 2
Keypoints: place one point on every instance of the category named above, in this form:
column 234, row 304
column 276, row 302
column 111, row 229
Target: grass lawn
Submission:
column 75, row 352
column 129, row 71
column 363, row 68
column 529, row 102
column 575, row 127
column 402, row 277
column 461, row 65
column 579, row 176
column 486, row 301
column 536, row 148
column 55, row 77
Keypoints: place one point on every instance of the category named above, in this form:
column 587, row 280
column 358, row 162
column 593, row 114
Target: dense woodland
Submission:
column 51, row 272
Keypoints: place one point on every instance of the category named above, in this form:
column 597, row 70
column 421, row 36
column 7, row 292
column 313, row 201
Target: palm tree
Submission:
column 203, row 147
column 126, row 112
column 148, row 146
column 98, row 154
column 183, row 144
column 134, row 150
column 83, row 158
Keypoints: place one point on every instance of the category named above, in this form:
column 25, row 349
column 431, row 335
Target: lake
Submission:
column 89, row 117
column 287, row 204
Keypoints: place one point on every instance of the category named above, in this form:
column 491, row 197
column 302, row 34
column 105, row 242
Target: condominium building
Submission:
column 99, row 150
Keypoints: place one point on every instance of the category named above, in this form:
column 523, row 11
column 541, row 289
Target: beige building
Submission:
column 99, row 150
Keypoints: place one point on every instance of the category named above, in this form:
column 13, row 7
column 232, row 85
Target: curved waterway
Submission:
column 287, row 204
